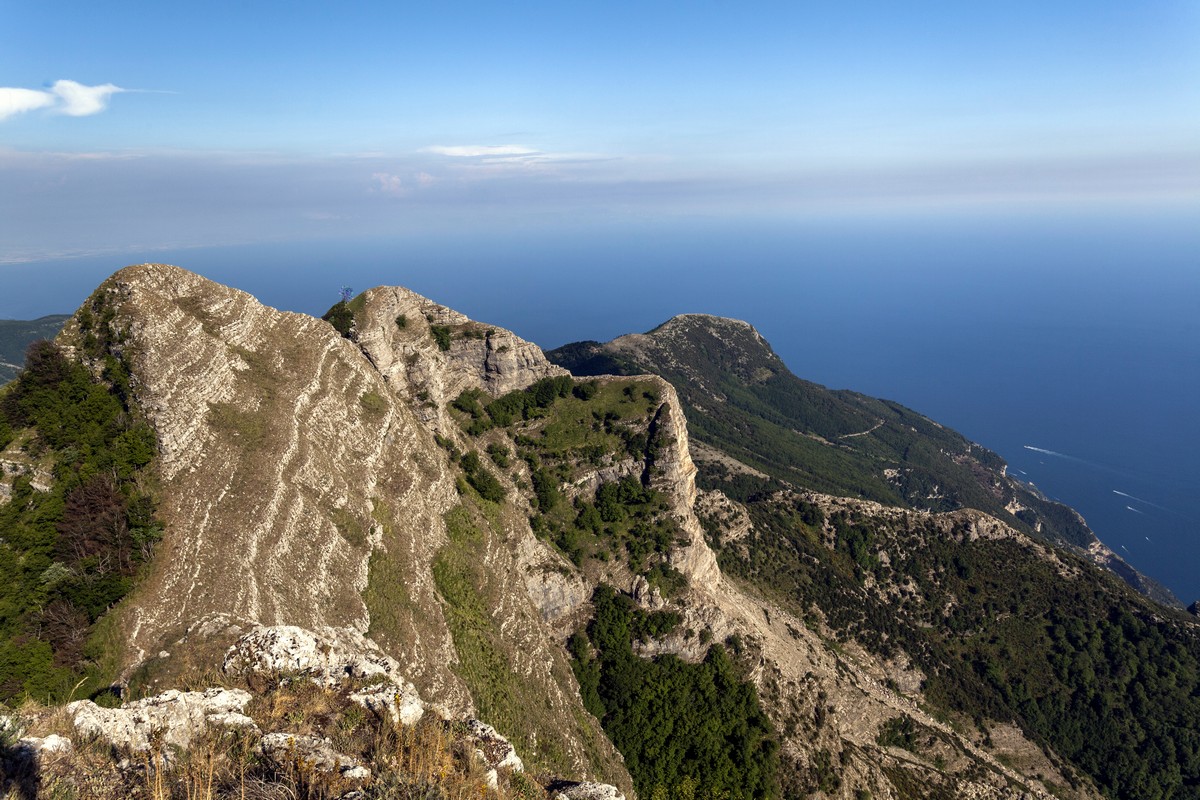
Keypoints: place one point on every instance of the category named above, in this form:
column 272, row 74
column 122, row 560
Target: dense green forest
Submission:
column 80, row 523
column 692, row 730
column 1105, row 677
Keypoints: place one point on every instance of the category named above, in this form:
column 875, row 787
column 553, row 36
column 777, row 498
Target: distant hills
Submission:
column 740, row 398
column 15, row 336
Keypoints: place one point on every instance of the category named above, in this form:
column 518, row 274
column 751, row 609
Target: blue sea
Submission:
column 1069, row 344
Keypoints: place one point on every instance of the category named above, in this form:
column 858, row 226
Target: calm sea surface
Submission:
column 1069, row 346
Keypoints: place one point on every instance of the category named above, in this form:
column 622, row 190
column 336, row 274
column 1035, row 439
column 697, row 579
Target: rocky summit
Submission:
column 397, row 552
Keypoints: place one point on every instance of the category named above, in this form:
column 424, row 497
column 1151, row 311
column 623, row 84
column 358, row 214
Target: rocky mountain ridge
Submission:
column 449, row 499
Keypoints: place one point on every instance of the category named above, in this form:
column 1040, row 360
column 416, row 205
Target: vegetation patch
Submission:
column 373, row 404
column 480, row 478
column 395, row 618
column 562, row 430
column 1108, row 679
column 899, row 732
column 248, row 426
column 684, row 729
column 514, row 705
column 341, row 317
column 441, row 335
column 349, row 527
column 71, row 552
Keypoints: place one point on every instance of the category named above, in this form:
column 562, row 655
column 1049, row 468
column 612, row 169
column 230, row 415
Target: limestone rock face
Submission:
column 304, row 499
column 280, row 446
column 175, row 717
column 311, row 753
column 588, row 791
column 673, row 472
column 328, row 659
column 397, row 701
column 395, row 328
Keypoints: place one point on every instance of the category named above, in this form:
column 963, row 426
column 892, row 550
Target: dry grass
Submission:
column 432, row 760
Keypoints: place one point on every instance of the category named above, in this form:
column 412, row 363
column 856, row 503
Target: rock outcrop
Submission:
column 330, row 658
column 396, row 330
column 276, row 440
column 142, row 739
column 313, row 753
column 173, row 718
column 586, row 791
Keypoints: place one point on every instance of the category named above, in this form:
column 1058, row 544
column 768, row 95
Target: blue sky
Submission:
column 130, row 126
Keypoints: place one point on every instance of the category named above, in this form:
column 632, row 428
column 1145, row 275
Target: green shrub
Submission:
column 340, row 317
column 68, row 554
column 480, row 479
column 499, row 454
column 441, row 335
column 585, row 391
column 898, row 732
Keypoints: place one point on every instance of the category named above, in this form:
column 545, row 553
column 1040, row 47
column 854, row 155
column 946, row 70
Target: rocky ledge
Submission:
column 324, row 714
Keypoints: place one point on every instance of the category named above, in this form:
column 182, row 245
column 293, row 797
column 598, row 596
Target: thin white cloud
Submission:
column 400, row 186
column 18, row 101
column 387, row 183
column 82, row 101
column 478, row 150
column 65, row 97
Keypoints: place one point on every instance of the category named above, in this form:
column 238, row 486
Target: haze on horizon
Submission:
column 126, row 127
column 986, row 211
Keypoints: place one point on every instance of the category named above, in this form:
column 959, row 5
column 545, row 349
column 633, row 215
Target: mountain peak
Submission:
column 711, row 321
column 701, row 346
